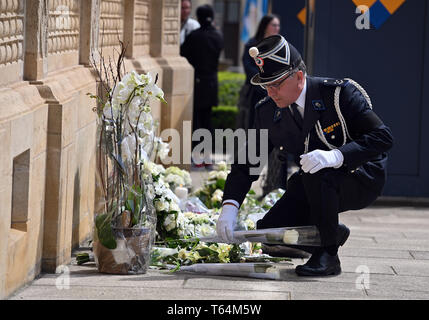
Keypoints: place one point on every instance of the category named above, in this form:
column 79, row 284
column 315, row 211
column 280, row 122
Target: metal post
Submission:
column 309, row 35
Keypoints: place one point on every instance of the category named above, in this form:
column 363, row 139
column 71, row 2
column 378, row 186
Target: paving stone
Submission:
column 375, row 265
column 416, row 234
column 292, row 283
column 388, row 266
column 354, row 251
column 327, row 296
column 143, row 293
column 90, row 277
column 420, row 255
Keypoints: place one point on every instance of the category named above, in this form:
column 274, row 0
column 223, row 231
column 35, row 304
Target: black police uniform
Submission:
column 337, row 115
column 316, row 199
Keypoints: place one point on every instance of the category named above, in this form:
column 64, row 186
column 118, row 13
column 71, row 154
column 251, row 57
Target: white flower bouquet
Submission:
column 259, row 270
column 177, row 177
column 211, row 192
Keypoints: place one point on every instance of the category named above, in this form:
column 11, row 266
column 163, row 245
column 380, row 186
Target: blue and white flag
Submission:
column 253, row 13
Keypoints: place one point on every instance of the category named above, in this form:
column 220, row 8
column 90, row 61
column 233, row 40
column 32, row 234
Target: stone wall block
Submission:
column 22, row 134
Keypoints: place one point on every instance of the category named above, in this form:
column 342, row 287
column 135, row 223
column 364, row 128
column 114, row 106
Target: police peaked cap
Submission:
column 275, row 58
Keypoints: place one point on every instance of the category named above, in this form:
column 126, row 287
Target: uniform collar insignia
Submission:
column 318, row 105
column 277, row 114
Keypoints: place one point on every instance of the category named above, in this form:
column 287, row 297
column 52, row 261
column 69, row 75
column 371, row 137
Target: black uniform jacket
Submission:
column 364, row 156
column 202, row 49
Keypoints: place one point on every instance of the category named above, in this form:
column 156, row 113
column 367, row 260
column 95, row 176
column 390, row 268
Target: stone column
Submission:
column 36, row 29
column 178, row 74
column 23, row 126
column 52, row 64
column 137, row 35
column 89, row 28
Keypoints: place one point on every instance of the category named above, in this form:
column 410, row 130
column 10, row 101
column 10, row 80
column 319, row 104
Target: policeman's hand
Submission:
column 226, row 223
column 319, row 159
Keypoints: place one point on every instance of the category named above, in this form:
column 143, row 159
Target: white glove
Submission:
column 319, row 159
column 226, row 223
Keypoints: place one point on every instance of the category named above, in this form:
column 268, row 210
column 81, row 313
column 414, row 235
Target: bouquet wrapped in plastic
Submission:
column 125, row 217
column 303, row 235
column 259, row 270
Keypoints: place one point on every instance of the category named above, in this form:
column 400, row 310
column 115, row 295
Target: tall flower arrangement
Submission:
column 126, row 142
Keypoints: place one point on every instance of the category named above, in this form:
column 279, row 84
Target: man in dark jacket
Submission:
column 337, row 140
column 202, row 48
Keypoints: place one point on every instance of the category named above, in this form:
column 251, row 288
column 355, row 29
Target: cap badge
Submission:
column 260, row 63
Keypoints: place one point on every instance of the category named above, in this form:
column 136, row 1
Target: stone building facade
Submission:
column 47, row 126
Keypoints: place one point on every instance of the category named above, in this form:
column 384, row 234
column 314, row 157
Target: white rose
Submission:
column 250, row 224
column 187, row 178
column 217, row 196
column 189, row 214
column 212, row 175
column 182, row 254
column 206, row 231
column 161, row 205
column 290, row 237
column 170, row 222
column 150, row 191
column 222, row 166
column 174, row 207
column 222, row 175
column 158, row 169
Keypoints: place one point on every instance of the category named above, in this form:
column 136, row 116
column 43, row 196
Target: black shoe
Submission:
column 321, row 263
column 342, row 234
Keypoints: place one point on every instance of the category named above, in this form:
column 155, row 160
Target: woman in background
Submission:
column 268, row 26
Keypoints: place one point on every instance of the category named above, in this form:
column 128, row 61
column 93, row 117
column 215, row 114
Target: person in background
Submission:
column 187, row 24
column 202, row 49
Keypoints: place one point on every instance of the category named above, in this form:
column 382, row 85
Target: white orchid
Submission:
column 128, row 147
column 153, row 91
column 162, row 148
column 110, row 112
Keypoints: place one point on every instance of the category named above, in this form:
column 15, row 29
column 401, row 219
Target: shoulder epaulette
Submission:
column 335, row 82
column 262, row 101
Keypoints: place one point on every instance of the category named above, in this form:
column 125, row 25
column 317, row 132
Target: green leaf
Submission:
column 207, row 252
column 220, row 184
column 103, row 224
column 81, row 258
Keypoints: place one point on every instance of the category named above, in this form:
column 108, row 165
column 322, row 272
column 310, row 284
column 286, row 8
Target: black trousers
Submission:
column 202, row 119
column 317, row 199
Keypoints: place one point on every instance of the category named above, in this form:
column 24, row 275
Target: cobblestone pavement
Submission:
column 386, row 257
